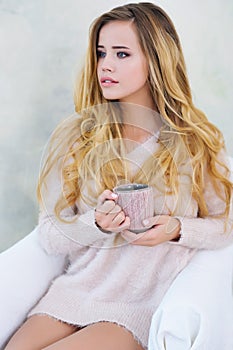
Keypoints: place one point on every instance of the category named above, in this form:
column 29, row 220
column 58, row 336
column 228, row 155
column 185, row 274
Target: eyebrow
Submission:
column 114, row 47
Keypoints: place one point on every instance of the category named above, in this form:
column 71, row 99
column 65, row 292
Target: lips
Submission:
column 107, row 81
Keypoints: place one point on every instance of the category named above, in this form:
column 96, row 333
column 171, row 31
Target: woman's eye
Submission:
column 101, row 54
column 122, row 54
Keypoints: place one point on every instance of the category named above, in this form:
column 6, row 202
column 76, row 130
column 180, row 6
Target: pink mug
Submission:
column 137, row 202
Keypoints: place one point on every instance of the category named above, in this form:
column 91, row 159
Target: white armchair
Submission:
column 196, row 312
column 25, row 273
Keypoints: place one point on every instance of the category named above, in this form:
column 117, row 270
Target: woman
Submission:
column 135, row 122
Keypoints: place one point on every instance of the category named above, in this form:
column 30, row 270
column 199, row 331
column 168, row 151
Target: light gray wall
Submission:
column 42, row 45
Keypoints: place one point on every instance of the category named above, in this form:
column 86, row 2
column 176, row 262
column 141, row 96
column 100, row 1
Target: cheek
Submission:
column 98, row 71
column 145, row 71
column 137, row 74
column 138, row 70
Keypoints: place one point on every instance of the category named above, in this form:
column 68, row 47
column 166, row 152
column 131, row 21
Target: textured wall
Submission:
column 42, row 45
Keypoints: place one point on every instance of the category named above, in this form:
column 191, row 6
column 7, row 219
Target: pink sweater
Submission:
column 107, row 278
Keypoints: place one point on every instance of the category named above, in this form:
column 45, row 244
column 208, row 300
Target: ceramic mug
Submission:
column 137, row 202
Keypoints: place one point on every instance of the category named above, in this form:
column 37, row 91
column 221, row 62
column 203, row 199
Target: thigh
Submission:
column 38, row 332
column 98, row 336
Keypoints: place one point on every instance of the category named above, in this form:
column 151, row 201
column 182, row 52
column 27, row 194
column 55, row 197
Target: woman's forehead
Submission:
column 118, row 33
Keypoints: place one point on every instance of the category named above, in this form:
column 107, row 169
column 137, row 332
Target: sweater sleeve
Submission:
column 65, row 238
column 213, row 231
column 79, row 230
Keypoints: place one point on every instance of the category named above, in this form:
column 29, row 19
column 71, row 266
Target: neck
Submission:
column 139, row 122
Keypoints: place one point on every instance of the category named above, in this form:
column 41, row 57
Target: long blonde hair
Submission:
column 93, row 140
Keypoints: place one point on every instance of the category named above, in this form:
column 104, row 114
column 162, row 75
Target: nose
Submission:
column 106, row 69
column 107, row 64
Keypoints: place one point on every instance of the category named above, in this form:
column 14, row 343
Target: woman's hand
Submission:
column 109, row 216
column 163, row 228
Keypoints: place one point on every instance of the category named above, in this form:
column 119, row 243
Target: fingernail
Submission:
column 114, row 195
column 145, row 222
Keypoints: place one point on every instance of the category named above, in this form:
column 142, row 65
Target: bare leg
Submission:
column 38, row 332
column 99, row 336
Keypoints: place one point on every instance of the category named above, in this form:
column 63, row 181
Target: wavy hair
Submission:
column 93, row 140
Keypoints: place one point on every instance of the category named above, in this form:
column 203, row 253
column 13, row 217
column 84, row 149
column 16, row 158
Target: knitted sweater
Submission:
column 107, row 278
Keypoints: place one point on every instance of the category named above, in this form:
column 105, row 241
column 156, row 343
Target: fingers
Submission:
column 148, row 238
column 161, row 228
column 132, row 237
column 114, row 224
column 106, row 195
column 110, row 215
column 107, row 207
column 110, row 208
column 169, row 223
column 155, row 220
column 123, row 226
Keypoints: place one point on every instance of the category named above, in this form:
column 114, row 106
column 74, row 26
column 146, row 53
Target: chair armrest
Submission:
column 25, row 274
column 197, row 311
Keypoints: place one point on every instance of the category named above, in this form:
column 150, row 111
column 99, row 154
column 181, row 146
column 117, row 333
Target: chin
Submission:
column 111, row 97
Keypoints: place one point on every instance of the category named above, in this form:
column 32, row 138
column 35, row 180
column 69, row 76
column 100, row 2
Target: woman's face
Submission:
column 122, row 67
